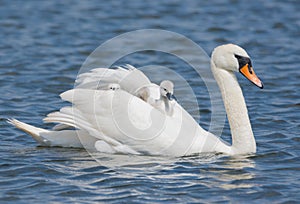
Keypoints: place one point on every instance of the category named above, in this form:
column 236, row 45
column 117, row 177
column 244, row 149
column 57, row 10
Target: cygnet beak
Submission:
column 171, row 97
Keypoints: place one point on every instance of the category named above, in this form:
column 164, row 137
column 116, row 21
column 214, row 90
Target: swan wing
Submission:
column 74, row 117
column 128, row 77
column 122, row 122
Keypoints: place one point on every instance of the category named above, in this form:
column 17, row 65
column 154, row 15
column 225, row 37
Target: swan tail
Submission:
column 63, row 138
column 35, row 132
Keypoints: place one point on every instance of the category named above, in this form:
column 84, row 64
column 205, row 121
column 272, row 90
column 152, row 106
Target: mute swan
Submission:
column 165, row 102
column 121, row 122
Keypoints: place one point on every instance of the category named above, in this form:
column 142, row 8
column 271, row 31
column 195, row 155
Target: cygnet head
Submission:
column 167, row 89
column 114, row 87
column 233, row 58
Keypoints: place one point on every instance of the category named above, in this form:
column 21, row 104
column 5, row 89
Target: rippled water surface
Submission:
column 42, row 47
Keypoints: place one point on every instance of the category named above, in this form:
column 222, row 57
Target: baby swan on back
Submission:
column 113, row 87
column 165, row 102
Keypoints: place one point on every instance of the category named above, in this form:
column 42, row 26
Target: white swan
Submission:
column 165, row 102
column 117, row 121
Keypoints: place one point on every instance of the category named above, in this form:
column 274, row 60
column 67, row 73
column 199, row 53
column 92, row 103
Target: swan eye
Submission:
column 250, row 69
column 243, row 61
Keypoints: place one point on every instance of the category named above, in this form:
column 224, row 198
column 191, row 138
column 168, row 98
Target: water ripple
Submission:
column 42, row 48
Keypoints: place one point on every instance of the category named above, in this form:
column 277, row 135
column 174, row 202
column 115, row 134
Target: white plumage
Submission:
column 108, row 114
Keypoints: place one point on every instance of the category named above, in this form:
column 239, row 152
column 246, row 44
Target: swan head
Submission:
column 114, row 87
column 167, row 89
column 233, row 58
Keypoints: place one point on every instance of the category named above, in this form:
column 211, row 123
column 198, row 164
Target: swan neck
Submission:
column 168, row 109
column 242, row 136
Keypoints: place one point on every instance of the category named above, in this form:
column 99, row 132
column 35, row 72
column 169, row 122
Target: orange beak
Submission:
column 249, row 73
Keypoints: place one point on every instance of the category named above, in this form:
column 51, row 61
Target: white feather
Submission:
column 117, row 121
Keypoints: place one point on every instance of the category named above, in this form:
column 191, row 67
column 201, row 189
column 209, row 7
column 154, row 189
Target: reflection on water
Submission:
column 233, row 174
column 228, row 173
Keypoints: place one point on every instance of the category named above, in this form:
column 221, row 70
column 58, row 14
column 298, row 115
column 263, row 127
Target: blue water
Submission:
column 42, row 47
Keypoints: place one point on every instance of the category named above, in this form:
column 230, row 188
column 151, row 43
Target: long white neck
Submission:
column 243, row 140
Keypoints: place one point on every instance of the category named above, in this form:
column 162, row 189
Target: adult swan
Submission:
column 112, row 118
